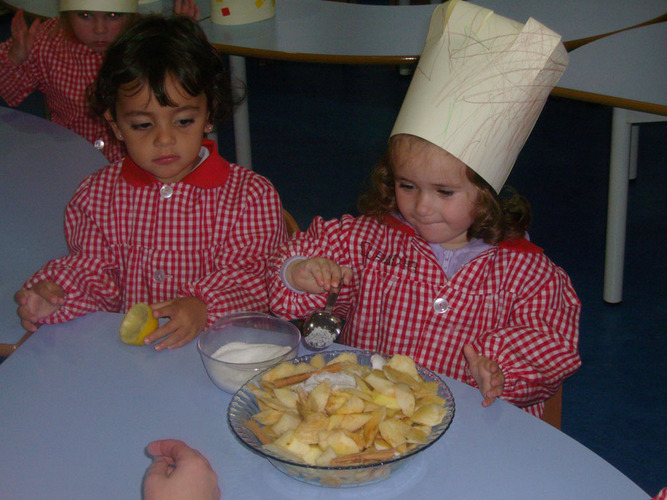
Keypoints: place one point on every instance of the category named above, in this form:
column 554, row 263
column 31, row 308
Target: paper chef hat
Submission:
column 480, row 85
column 126, row 6
column 241, row 11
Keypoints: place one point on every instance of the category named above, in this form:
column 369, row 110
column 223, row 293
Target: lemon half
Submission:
column 137, row 324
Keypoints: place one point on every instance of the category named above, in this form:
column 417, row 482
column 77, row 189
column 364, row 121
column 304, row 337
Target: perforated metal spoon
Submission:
column 322, row 328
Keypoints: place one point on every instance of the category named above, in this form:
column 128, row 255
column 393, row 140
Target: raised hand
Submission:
column 23, row 38
column 186, row 8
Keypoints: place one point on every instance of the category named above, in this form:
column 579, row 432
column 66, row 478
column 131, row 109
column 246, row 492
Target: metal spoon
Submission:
column 322, row 328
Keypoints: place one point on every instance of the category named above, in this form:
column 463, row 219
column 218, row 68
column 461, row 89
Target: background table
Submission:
column 42, row 164
column 317, row 31
column 78, row 408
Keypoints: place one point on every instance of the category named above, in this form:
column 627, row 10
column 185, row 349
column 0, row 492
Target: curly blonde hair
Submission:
column 496, row 217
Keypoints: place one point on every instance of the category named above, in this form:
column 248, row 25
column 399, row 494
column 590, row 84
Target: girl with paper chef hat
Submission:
column 61, row 57
column 438, row 267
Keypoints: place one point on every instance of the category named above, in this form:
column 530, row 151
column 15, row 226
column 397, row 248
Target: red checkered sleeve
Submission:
column 239, row 280
column 321, row 239
column 89, row 273
column 62, row 69
column 514, row 306
column 536, row 347
column 662, row 495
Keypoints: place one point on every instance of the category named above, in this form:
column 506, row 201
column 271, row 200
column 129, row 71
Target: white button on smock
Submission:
column 99, row 144
column 159, row 276
column 166, row 191
column 440, row 305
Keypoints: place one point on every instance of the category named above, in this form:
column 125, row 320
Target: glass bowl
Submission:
column 248, row 328
column 244, row 405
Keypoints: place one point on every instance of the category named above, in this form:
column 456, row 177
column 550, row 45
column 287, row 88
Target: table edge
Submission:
column 276, row 55
column 617, row 102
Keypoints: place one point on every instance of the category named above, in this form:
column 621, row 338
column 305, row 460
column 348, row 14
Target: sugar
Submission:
column 320, row 338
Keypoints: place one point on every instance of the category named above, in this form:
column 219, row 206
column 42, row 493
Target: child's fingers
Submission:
column 34, row 27
column 177, row 338
column 470, row 354
column 29, row 326
column 347, row 275
column 21, row 297
column 161, row 309
column 18, row 19
column 326, row 272
column 159, row 468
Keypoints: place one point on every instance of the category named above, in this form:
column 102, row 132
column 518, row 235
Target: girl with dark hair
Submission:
column 173, row 225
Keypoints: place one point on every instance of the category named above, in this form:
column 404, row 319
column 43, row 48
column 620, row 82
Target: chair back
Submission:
column 290, row 223
column 553, row 409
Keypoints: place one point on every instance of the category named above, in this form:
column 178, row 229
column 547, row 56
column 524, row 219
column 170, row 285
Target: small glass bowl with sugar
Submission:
column 239, row 346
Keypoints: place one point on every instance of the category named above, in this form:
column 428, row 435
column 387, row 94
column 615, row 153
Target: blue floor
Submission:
column 318, row 129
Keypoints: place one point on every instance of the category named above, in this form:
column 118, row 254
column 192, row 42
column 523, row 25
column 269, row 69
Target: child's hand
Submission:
column 178, row 471
column 187, row 319
column 22, row 38
column 42, row 300
column 487, row 374
column 186, row 8
column 317, row 275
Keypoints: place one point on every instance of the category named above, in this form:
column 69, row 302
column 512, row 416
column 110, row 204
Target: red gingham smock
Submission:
column 512, row 304
column 130, row 242
column 61, row 68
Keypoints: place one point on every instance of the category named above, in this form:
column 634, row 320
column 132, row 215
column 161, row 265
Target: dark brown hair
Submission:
column 153, row 48
column 496, row 217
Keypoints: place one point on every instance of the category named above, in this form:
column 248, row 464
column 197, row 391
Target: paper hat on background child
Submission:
column 126, row 6
column 480, row 85
column 241, row 11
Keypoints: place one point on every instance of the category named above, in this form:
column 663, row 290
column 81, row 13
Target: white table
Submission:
column 78, row 408
column 42, row 164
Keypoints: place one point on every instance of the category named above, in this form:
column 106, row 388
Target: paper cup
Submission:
column 229, row 12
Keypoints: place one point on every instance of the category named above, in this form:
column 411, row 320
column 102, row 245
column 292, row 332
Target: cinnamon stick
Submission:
column 258, row 431
column 364, row 457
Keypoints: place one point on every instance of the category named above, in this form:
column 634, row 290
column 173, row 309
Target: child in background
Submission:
column 60, row 57
column 173, row 224
column 438, row 266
